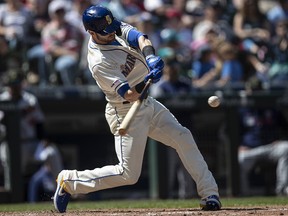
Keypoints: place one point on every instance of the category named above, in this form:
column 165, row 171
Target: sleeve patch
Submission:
column 115, row 84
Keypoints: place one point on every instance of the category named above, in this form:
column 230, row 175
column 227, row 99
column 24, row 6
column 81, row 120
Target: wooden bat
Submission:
column 133, row 110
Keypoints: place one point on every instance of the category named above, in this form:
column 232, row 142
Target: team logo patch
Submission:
column 108, row 19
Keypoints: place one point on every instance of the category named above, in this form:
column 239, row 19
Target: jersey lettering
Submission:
column 129, row 65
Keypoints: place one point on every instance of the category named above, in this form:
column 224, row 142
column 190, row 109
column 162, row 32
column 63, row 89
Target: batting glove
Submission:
column 154, row 62
column 155, row 75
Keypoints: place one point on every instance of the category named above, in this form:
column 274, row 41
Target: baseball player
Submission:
column 121, row 60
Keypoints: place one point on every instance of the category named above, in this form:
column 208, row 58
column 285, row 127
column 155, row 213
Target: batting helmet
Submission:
column 100, row 20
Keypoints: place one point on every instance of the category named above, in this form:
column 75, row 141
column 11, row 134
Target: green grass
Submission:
column 123, row 204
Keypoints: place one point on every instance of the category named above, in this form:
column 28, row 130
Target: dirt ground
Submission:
column 267, row 210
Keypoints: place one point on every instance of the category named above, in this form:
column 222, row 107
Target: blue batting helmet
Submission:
column 100, row 20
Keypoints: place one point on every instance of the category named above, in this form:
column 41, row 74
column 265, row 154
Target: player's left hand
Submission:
column 154, row 62
column 155, row 75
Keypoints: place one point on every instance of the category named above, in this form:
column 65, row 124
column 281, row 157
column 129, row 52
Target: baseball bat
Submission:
column 133, row 109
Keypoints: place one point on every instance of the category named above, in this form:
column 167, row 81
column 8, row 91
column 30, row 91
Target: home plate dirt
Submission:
column 231, row 211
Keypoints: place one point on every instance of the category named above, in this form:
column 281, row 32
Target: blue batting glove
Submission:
column 154, row 62
column 155, row 75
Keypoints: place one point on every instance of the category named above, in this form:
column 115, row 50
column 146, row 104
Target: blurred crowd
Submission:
column 206, row 44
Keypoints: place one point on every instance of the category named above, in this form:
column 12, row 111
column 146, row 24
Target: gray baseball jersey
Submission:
column 114, row 66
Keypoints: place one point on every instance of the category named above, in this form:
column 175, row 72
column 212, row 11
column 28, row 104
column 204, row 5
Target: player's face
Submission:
column 107, row 38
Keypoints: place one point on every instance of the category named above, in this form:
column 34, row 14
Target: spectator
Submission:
column 126, row 10
column 212, row 21
column 227, row 72
column 180, row 23
column 252, row 27
column 261, row 139
column 40, row 17
column 202, row 63
column 161, row 7
column 254, row 30
column 195, row 8
column 176, row 33
column 171, row 39
column 278, row 12
column 207, row 79
column 147, row 22
column 43, row 180
column 172, row 81
column 231, row 70
column 74, row 17
column 278, row 72
column 31, row 123
column 15, row 20
column 63, row 42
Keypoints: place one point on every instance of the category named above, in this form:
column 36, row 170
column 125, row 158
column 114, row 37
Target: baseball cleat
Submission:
column 210, row 203
column 61, row 197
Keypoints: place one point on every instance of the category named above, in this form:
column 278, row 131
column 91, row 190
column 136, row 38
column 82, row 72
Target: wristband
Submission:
column 139, row 87
column 148, row 50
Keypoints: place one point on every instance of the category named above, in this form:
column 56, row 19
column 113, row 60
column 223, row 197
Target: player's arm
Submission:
column 155, row 74
column 133, row 93
column 143, row 42
column 155, row 63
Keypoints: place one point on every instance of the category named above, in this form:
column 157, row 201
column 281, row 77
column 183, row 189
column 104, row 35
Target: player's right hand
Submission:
column 154, row 62
column 155, row 75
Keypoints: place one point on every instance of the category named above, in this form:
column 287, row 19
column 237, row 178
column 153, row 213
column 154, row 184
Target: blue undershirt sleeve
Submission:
column 133, row 37
column 123, row 89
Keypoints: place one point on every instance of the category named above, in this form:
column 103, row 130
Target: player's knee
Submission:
column 282, row 149
column 131, row 179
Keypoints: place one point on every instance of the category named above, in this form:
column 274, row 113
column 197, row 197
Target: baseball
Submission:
column 214, row 101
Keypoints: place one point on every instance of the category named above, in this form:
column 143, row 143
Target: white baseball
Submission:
column 214, row 101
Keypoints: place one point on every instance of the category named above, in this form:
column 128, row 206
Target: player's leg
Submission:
column 166, row 129
column 4, row 157
column 246, row 163
column 35, row 185
column 126, row 172
column 279, row 154
column 276, row 153
column 130, row 151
